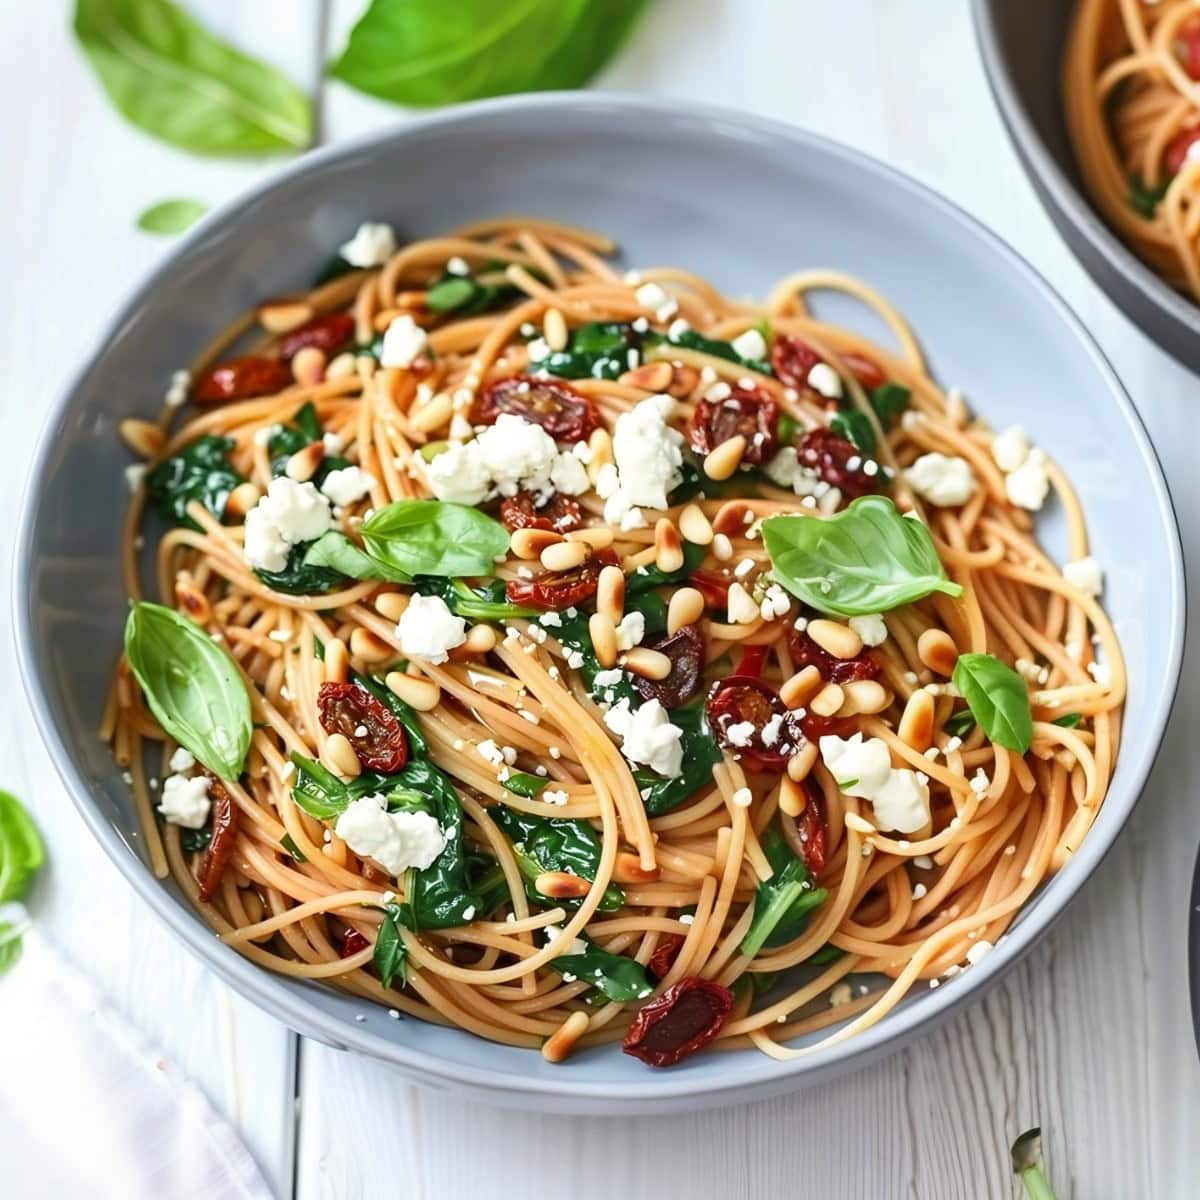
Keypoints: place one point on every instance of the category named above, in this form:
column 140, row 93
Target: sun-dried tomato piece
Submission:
column 805, row 833
column 866, row 370
column 223, row 815
column 750, row 412
column 376, row 734
column 685, row 1018
column 664, row 956
column 1175, row 153
column 241, row 378
column 552, row 591
column 565, row 414
column 353, row 943
column 748, row 719
column 838, row 462
column 560, row 513
column 753, row 658
column 1187, row 46
column 713, row 587
column 791, row 359
column 685, row 649
column 815, row 727
column 806, row 653
column 329, row 332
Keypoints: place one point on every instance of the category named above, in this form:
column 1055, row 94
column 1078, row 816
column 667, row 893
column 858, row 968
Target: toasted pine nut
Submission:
column 684, row 378
column 733, row 517
column 840, row 640
column 600, row 444
column 650, row 377
column 916, row 722
column 802, row 762
column 936, row 649
column 741, row 607
column 282, row 316
column 554, row 327
column 628, row 869
column 565, row 556
column 562, row 1041
column 242, row 499
column 422, row 694
column 686, row 608
column 828, row 700
column 529, row 543
column 558, row 885
column 191, row 599
column 142, row 437
column 797, row 691
column 341, row 366
column 391, row 605
column 337, row 661
column 668, row 549
column 694, row 526
column 865, row 696
column 433, row 414
column 793, row 799
column 480, row 639
column 365, row 645
column 308, row 365
column 722, row 547
column 649, row 664
column 604, row 639
column 304, row 463
column 599, row 537
column 610, row 593
column 726, row 458
column 340, row 756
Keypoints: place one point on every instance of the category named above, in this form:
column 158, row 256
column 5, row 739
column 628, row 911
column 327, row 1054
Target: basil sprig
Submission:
column 866, row 559
column 434, row 537
column 998, row 699
column 191, row 686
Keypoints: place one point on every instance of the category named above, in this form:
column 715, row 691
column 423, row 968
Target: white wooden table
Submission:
column 1090, row 1036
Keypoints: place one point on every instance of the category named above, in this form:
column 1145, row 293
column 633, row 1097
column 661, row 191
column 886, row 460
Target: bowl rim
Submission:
column 764, row 1077
column 1070, row 200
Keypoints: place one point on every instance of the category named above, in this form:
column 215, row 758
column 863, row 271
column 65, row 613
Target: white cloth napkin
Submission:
column 88, row 1109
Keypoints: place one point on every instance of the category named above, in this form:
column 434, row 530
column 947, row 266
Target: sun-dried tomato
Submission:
column 685, row 649
column 750, row 412
column 753, row 658
column 838, row 462
column 223, row 814
column 685, row 1018
column 1187, row 46
column 376, row 734
column 664, row 956
column 792, row 358
column 805, row 833
column 353, row 943
column 805, row 653
column 866, row 370
column 815, row 726
column 565, row 414
column 713, row 587
column 241, row 378
column 775, row 733
column 329, row 332
column 1175, row 153
column 552, row 591
column 560, row 513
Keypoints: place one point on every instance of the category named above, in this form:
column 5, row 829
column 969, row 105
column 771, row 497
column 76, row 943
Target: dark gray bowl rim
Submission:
column 1072, row 202
column 289, row 1005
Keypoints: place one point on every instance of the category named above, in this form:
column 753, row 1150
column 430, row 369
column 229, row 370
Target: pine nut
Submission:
column 916, row 722
column 371, row 649
column 282, row 316
column 558, row 885
column 694, row 526
column 554, row 328
column 649, row 664
column 797, row 691
column 684, row 380
column 741, row 607
column 732, row 518
column 793, row 799
column 726, row 458
column 865, row 697
column 340, row 757
column 650, row 377
column 341, row 366
column 936, row 649
column 565, row 556
column 600, row 444
column 529, row 543
column 304, row 463
column 668, row 549
column 840, row 640
column 422, row 694
column 828, row 700
column 433, row 414
column 604, row 639
column 610, row 593
column 337, row 661
column 191, row 600
column 686, row 608
column 308, row 365
column 722, row 547
column 562, row 1041
column 628, row 869
column 480, row 639
column 142, row 437
column 599, row 537
column 242, row 499
column 802, row 762
column 391, row 605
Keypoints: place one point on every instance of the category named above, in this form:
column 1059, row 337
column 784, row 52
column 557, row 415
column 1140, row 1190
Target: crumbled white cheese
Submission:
column 177, row 392
column 741, row 733
column 1101, row 673
column 569, row 476
column 772, row 729
column 428, row 630
column 457, row 266
column 1028, row 485
column 608, row 678
column 554, row 796
column 403, row 341
column 371, row 246
column 458, row 474
column 1010, row 448
column 288, row 514
column 659, row 301
column 185, row 800
column 775, row 603
column 840, row 994
column 396, row 841
column 182, row 760
column 942, row 479
column 134, row 474
column 647, row 736
column 677, row 328
column 490, row 752
column 979, row 950
column 631, row 630
column 347, row 485
column 648, row 454
column 900, row 797
column 1085, row 574
column 750, row 344
column 743, row 797
column 824, row 379
column 871, row 627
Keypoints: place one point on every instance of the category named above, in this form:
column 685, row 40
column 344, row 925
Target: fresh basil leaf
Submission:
column 289, row 844
column 301, row 578
column 170, row 77
column 854, row 427
column 427, row 54
column 10, row 944
column 434, row 537
column 889, row 400
column 336, row 552
column 191, row 686
column 391, row 956
column 614, row 976
column 21, row 849
column 1068, row 720
column 529, row 786
column 782, row 903
column 865, row 559
column 171, row 216
column 998, row 698
column 200, row 471
column 960, row 723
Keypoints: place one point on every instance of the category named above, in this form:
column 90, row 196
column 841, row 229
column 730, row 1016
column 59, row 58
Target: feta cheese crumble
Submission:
column 1010, row 448
column 403, row 342
column 288, row 514
column 347, row 485
column 979, row 950
column 648, row 454
column 944, row 480
column 182, row 760
column 185, row 800
column 824, row 379
column 1028, row 485
column 900, row 797
column 428, row 630
column 647, row 736
column 396, row 841
column 659, row 301
column 871, row 627
column 631, row 630
column 372, row 245
column 750, row 344
column 1085, row 574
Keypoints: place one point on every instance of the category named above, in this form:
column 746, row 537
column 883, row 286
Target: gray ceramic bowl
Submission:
column 740, row 200
column 1022, row 42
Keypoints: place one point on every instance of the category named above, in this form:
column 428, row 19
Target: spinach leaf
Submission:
column 300, row 578
column 486, row 879
column 434, row 537
column 998, row 698
column 865, row 559
column 191, row 686
column 391, row 956
column 287, row 440
column 21, row 849
column 961, row 723
column 1068, row 720
column 433, row 54
column 192, row 841
column 889, row 400
column 200, row 471
column 854, row 427
column 404, row 713
column 321, row 794
column 486, row 603
column 689, row 339
column 170, row 77
column 171, row 216
column 335, row 552
column 782, row 903
column 529, row 786
column 613, row 975
column 700, row 755
column 1145, row 200
column 651, row 576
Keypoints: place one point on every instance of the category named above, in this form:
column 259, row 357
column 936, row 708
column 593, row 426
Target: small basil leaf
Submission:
column 448, row 294
column 21, row 850
column 529, row 786
column 337, row 552
column 171, row 216
column 866, row 559
column 960, row 723
column 299, row 577
column 998, row 698
column 434, row 537
column 191, row 686
column 200, row 471
column 1068, row 720
column 855, row 427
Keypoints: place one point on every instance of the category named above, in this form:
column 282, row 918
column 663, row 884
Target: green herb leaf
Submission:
column 171, row 216
column 1068, row 720
column 434, row 537
column 865, row 559
column 170, row 77
column 700, row 755
column 200, row 471
column 486, row 603
column 889, row 400
column 391, row 955
column 427, row 54
column 301, row 578
column 782, row 903
column 10, row 944
column 1145, row 200
column 336, row 552
column 522, row 784
column 21, row 850
column 998, row 698
column 191, row 686
column 960, row 723
column 289, row 844
column 689, row 339
column 614, row 976
column 855, row 427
